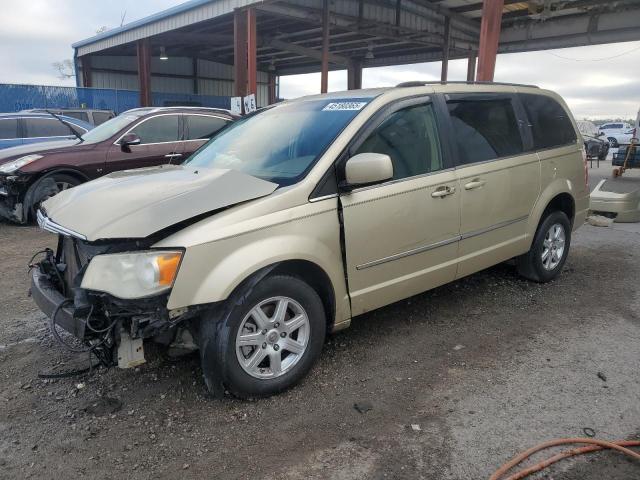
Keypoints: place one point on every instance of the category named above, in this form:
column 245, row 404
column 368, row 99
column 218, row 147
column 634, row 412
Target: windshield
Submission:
column 282, row 143
column 108, row 129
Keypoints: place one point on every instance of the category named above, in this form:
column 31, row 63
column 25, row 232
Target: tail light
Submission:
column 586, row 167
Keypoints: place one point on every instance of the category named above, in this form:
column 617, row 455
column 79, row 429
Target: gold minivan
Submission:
column 295, row 219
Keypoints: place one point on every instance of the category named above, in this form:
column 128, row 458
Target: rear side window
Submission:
column 484, row 129
column 160, row 129
column 200, row 127
column 8, row 128
column 100, row 117
column 79, row 115
column 410, row 137
column 550, row 123
column 44, row 127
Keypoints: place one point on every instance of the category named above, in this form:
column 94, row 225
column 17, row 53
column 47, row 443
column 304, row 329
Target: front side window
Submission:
column 202, row 127
column 108, row 129
column 550, row 123
column 44, row 127
column 484, row 129
column 282, row 143
column 160, row 129
column 410, row 137
column 8, row 128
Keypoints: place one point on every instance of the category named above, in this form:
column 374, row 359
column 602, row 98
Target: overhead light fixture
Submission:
column 163, row 54
column 272, row 65
column 369, row 55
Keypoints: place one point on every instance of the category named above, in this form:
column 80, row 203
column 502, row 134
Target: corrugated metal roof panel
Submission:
column 177, row 17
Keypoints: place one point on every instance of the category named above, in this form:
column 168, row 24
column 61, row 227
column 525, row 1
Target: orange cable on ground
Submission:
column 594, row 445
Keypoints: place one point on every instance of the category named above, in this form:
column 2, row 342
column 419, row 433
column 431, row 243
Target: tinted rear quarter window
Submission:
column 550, row 123
column 484, row 129
column 45, row 127
column 8, row 128
column 201, row 127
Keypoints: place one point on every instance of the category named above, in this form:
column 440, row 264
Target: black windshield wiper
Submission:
column 65, row 123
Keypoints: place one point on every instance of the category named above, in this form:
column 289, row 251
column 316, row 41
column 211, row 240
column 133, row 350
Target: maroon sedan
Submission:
column 142, row 137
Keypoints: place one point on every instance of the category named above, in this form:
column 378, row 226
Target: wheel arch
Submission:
column 557, row 197
column 28, row 196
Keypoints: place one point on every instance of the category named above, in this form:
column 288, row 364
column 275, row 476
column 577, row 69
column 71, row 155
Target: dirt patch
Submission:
column 484, row 367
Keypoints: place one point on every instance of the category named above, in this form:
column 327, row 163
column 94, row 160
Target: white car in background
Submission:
column 617, row 133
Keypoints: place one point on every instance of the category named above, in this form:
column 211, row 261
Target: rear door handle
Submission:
column 173, row 155
column 441, row 192
column 476, row 183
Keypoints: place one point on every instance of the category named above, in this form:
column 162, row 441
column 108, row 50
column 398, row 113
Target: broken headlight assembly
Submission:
column 16, row 165
column 133, row 275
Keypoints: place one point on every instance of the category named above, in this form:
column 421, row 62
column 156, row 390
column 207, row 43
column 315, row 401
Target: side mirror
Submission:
column 367, row 169
column 129, row 139
column 601, row 134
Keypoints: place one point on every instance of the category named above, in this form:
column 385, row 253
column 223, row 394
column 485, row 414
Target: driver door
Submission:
column 401, row 236
column 159, row 144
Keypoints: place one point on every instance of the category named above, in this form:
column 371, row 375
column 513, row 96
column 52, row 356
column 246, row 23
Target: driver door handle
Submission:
column 441, row 192
column 476, row 183
column 173, row 155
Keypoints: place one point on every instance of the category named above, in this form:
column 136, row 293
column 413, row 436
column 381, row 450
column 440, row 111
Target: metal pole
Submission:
column 471, row 67
column 489, row 38
column 240, row 52
column 252, row 61
column 445, row 50
column 324, row 80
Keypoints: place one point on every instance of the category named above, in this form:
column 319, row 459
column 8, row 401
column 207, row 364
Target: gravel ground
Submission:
column 482, row 368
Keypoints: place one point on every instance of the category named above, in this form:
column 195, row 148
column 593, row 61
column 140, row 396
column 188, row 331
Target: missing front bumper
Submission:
column 48, row 299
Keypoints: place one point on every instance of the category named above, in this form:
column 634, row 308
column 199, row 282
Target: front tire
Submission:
column 266, row 341
column 613, row 143
column 46, row 188
column 549, row 250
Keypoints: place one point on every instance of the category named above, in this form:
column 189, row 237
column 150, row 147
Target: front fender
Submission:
column 210, row 272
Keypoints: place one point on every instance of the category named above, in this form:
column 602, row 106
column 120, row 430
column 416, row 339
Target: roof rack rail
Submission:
column 460, row 82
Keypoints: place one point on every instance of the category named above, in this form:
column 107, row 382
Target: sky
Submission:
column 36, row 33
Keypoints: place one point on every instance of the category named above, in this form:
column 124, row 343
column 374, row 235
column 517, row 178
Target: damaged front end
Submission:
column 12, row 193
column 110, row 326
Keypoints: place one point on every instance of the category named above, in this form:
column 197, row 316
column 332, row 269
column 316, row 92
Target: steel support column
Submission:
column 445, row 50
column 324, row 78
column 144, row 72
column 471, row 67
column 354, row 75
column 240, row 60
column 489, row 38
column 86, row 71
column 272, row 88
column 252, row 60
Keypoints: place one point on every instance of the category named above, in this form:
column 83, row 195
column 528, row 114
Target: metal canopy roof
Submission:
column 376, row 32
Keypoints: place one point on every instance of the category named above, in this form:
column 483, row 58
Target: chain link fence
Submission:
column 14, row 98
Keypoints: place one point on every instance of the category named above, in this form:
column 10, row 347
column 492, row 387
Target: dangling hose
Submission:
column 593, row 446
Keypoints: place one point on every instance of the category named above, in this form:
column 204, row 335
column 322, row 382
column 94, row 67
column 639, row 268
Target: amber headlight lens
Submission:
column 132, row 275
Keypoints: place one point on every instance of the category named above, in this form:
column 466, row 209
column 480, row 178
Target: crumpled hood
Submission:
column 12, row 153
column 138, row 203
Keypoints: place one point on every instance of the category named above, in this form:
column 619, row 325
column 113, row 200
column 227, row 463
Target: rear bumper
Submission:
column 48, row 298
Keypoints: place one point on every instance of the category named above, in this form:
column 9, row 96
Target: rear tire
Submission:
column 549, row 250
column 266, row 341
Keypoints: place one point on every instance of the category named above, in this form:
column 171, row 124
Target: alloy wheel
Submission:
column 553, row 246
column 272, row 337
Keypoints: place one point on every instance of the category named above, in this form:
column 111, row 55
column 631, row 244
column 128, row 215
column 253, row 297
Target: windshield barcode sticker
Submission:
column 335, row 106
